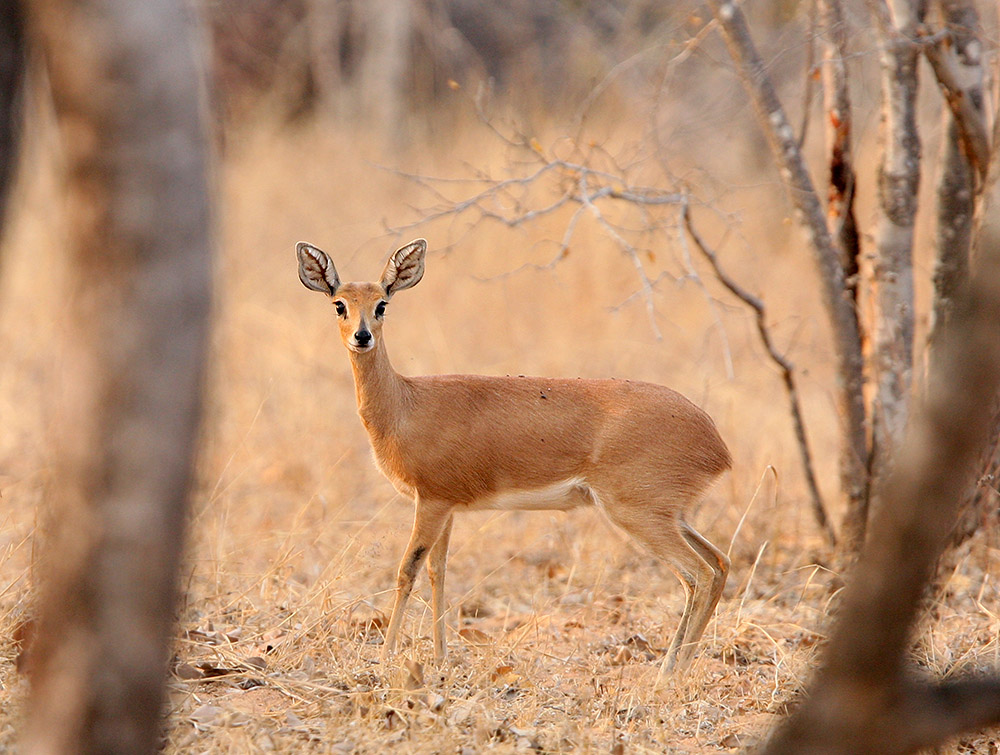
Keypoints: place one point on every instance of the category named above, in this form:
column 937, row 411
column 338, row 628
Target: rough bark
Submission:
column 866, row 698
column 956, row 59
column 837, row 107
column 838, row 303
column 124, row 82
column 892, row 273
column 961, row 60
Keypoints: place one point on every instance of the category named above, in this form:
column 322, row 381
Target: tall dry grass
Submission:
column 557, row 622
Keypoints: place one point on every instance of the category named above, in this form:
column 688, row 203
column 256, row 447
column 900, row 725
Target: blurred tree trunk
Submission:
column 125, row 85
column 866, row 697
column 325, row 24
column 12, row 71
column 958, row 66
column 898, row 182
column 981, row 504
column 386, row 61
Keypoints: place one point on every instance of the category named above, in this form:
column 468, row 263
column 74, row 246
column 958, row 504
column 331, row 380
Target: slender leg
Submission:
column 708, row 592
column 699, row 565
column 428, row 523
column 437, row 563
column 690, row 584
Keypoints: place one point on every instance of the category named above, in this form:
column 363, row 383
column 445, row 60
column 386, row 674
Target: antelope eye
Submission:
column 380, row 310
column 341, row 308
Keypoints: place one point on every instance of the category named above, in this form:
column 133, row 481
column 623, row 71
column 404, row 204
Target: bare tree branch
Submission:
column 787, row 373
column 577, row 184
column 840, row 308
column 956, row 59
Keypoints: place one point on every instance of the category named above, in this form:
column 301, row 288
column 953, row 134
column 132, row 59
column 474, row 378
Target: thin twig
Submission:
column 630, row 251
column 693, row 274
column 581, row 185
column 811, row 71
column 787, row 373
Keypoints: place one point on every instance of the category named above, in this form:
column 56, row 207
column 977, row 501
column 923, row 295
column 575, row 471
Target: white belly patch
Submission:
column 560, row 496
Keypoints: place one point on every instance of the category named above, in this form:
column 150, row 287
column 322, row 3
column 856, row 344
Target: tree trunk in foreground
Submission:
column 12, row 70
column 958, row 65
column 124, row 81
column 866, row 697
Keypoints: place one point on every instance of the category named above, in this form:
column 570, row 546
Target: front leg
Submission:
column 436, row 566
column 429, row 523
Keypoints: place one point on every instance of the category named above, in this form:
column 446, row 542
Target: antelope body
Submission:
column 641, row 452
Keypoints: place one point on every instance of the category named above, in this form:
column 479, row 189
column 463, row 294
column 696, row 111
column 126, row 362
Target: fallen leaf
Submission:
column 474, row 636
column 437, row 703
column 501, row 671
column 206, row 715
column 187, row 671
column 393, row 719
column 413, row 675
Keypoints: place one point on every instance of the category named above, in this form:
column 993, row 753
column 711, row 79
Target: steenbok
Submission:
column 640, row 452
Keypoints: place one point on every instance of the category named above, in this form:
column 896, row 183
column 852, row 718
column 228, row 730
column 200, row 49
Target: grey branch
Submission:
column 579, row 184
column 840, row 308
column 948, row 54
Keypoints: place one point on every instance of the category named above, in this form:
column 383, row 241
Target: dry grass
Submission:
column 557, row 621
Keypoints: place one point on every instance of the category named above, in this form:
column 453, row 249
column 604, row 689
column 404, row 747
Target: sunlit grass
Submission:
column 557, row 623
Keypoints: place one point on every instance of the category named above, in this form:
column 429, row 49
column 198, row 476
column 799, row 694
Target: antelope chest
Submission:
column 389, row 463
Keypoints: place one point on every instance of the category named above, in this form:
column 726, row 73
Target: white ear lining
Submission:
column 316, row 270
column 405, row 267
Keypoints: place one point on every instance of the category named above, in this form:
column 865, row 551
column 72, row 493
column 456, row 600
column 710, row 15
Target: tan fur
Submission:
column 640, row 451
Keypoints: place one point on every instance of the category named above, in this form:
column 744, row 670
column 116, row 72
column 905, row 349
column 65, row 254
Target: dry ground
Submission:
column 557, row 622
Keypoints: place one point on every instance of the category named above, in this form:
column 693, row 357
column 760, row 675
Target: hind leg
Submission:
column 699, row 565
column 705, row 602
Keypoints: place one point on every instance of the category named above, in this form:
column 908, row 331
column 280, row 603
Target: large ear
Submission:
column 316, row 270
column 405, row 267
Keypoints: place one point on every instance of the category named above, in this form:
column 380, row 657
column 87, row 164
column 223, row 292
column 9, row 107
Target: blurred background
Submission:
column 357, row 125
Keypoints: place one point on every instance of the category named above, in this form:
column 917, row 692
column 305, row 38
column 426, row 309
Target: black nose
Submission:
column 362, row 338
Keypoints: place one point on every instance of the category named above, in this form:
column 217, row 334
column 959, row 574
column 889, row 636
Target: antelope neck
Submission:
column 379, row 389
